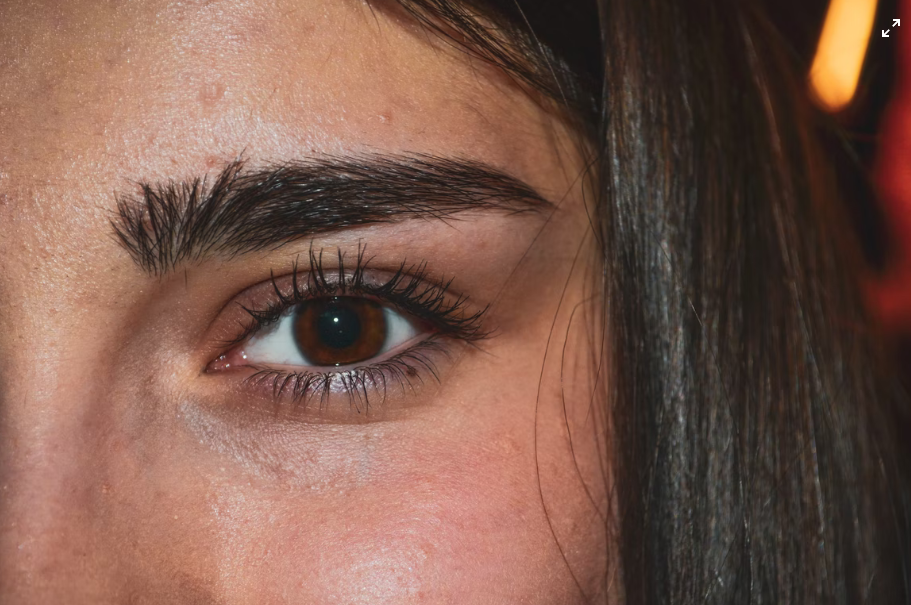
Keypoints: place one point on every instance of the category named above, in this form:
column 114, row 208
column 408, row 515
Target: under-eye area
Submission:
column 337, row 333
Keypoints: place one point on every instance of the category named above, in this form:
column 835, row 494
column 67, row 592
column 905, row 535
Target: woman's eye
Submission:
column 331, row 332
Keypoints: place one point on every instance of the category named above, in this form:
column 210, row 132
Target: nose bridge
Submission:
column 47, row 435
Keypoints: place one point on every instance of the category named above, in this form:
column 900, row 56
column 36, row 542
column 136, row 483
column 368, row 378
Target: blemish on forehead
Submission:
column 210, row 93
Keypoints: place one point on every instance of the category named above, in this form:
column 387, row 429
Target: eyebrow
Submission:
column 247, row 210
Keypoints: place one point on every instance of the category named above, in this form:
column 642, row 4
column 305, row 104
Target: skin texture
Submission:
column 129, row 474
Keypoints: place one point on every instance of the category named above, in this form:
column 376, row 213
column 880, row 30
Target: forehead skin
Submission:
column 115, row 486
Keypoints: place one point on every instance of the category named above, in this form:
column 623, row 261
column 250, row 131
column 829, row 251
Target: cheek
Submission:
column 460, row 528
column 442, row 509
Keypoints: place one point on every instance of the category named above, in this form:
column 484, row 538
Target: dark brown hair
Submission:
column 757, row 429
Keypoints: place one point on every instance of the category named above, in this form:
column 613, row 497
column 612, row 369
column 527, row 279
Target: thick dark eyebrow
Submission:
column 245, row 210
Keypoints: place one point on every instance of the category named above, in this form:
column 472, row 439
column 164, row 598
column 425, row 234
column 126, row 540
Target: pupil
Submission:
column 338, row 326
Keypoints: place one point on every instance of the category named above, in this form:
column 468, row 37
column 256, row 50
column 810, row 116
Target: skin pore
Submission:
column 132, row 473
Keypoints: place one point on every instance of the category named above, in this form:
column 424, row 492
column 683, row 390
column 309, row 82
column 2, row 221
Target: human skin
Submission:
column 129, row 473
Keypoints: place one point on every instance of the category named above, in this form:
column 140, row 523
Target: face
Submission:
column 297, row 305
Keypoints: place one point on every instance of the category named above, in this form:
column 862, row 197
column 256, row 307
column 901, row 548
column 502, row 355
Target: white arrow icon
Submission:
column 886, row 33
column 896, row 22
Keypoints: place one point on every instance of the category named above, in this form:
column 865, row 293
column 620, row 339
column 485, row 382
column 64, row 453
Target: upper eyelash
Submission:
column 409, row 289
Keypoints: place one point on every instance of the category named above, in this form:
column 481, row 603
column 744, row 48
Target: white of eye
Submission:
column 277, row 345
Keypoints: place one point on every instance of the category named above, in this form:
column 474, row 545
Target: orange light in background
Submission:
column 841, row 50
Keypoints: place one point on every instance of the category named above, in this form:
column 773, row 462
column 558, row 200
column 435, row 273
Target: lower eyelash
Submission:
column 405, row 371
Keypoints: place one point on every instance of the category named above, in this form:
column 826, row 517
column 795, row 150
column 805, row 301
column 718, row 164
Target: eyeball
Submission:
column 331, row 332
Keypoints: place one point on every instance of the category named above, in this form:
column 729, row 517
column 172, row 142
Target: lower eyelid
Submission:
column 345, row 394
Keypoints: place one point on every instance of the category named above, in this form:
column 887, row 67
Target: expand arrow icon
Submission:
column 896, row 22
column 886, row 33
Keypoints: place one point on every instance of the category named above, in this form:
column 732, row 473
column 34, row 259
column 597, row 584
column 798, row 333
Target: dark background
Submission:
column 850, row 136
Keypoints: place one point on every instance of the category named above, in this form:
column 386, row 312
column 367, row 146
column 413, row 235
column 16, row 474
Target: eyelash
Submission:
column 410, row 289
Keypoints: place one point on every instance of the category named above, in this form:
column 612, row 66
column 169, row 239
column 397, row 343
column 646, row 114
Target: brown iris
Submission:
column 339, row 331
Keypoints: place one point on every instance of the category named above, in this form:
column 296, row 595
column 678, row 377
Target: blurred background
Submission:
column 865, row 121
column 856, row 124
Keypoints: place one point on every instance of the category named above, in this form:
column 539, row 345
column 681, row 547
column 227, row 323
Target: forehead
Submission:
column 94, row 94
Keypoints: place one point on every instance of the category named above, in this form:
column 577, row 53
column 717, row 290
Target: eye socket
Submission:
column 331, row 332
column 328, row 332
